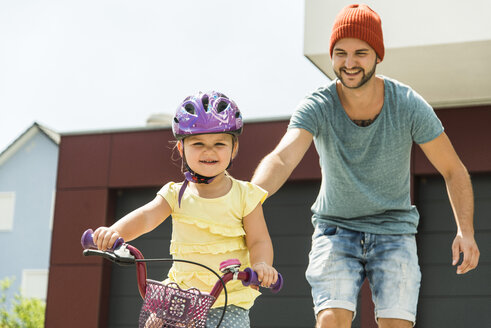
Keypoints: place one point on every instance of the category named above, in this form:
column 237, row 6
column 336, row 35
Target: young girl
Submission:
column 214, row 216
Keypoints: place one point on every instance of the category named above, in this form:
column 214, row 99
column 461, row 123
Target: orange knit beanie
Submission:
column 360, row 22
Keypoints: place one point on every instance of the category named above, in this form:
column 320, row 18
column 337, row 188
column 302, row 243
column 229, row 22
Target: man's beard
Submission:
column 365, row 78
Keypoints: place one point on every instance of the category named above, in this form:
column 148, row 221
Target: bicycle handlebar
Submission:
column 125, row 254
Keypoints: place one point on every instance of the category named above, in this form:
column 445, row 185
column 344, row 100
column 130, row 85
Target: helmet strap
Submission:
column 192, row 176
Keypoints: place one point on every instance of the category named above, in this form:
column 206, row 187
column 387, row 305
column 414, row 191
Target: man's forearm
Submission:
column 275, row 168
column 461, row 197
column 270, row 174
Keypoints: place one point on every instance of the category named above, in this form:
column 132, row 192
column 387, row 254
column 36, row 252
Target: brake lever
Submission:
column 121, row 255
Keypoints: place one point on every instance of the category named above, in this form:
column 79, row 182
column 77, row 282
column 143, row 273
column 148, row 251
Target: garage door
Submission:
column 288, row 216
column 448, row 299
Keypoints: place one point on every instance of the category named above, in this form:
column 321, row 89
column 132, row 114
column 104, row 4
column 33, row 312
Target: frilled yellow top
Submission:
column 210, row 231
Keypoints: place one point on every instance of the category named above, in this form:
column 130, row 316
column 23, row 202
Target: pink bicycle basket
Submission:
column 168, row 306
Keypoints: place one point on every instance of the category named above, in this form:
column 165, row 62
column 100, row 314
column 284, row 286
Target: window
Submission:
column 35, row 283
column 7, row 203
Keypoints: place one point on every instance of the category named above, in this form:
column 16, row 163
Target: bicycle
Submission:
column 169, row 306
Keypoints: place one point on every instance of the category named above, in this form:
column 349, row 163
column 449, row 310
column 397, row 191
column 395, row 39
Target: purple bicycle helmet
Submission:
column 211, row 112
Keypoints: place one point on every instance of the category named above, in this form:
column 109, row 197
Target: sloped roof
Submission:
column 26, row 136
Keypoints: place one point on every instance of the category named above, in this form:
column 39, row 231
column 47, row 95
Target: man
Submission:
column 363, row 127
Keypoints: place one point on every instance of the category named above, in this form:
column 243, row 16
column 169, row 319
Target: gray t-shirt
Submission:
column 366, row 170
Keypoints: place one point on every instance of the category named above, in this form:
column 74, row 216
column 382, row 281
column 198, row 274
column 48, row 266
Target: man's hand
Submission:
column 468, row 247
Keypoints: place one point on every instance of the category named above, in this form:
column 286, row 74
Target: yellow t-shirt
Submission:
column 210, row 231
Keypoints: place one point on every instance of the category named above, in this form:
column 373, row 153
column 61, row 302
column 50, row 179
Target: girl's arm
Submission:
column 134, row 224
column 260, row 246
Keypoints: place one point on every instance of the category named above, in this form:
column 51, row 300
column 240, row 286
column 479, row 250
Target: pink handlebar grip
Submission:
column 88, row 241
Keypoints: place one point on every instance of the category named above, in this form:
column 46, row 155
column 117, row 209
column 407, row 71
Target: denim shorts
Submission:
column 341, row 259
column 235, row 317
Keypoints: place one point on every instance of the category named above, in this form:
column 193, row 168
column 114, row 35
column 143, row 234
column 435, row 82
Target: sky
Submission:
column 111, row 64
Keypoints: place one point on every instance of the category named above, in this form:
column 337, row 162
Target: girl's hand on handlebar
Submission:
column 266, row 274
column 105, row 238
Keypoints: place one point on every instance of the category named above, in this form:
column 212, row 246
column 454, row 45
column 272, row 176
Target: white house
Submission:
column 28, row 169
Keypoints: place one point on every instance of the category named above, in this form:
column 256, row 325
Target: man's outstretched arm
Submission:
column 276, row 167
